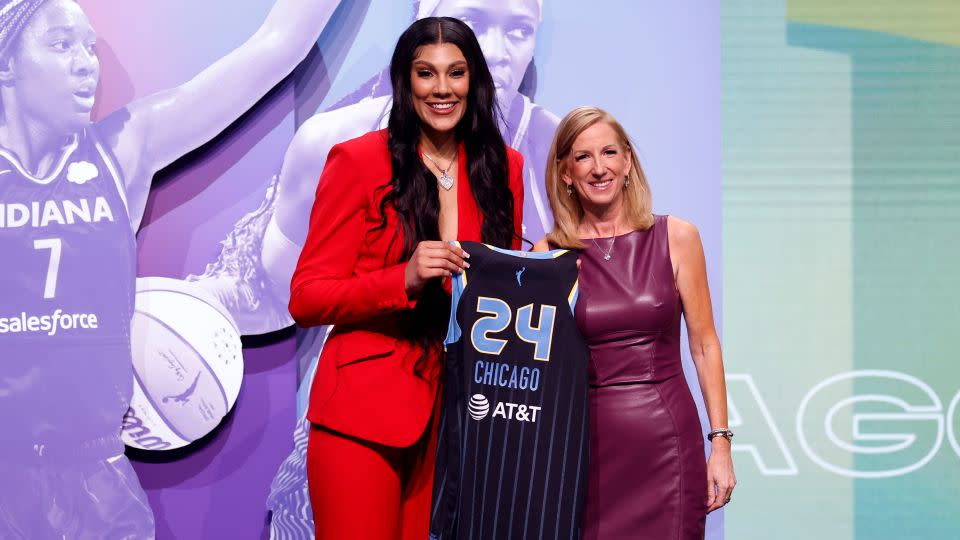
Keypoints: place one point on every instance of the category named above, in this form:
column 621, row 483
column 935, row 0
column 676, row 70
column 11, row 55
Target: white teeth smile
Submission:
column 441, row 106
column 601, row 185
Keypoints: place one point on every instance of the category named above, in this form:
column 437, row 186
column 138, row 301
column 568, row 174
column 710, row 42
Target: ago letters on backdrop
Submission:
column 900, row 433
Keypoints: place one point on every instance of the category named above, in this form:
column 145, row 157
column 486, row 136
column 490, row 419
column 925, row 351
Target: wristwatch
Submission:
column 720, row 432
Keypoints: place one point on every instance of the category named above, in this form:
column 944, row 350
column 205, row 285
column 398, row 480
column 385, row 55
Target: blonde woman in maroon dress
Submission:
column 639, row 273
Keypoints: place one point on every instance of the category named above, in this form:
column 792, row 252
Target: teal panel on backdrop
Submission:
column 841, row 206
column 906, row 209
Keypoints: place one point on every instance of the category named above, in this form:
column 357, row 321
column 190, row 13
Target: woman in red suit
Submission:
column 374, row 264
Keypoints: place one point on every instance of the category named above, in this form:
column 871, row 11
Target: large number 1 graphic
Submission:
column 53, row 268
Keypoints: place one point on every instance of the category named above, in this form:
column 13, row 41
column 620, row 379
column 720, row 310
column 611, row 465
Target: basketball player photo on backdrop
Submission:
column 72, row 195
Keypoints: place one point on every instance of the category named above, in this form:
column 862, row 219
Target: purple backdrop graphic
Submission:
column 233, row 186
column 72, row 192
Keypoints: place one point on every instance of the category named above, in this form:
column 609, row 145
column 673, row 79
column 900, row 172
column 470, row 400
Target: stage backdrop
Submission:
column 227, row 219
column 841, row 206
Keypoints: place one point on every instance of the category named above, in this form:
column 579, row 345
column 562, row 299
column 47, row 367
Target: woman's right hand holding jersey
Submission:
column 433, row 259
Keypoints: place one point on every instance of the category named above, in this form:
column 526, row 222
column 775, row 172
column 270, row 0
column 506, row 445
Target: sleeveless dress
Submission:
column 647, row 467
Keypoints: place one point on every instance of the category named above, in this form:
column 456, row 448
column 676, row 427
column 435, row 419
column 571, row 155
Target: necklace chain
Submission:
column 607, row 254
column 445, row 180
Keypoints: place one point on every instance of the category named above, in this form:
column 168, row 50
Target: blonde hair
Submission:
column 567, row 210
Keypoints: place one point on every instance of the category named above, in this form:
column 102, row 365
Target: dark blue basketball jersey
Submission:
column 66, row 298
column 513, row 444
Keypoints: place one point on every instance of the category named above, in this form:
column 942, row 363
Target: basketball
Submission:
column 187, row 365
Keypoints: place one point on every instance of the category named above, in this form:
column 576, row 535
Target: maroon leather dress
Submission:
column 648, row 476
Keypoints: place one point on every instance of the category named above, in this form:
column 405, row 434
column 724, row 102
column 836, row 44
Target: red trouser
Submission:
column 361, row 490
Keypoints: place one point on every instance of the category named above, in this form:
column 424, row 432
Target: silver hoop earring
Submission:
column 569, row 190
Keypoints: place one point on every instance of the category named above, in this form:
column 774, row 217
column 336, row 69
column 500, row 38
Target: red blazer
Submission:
column 352, row 277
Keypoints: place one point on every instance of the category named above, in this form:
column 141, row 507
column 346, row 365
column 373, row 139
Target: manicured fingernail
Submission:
column 466, row 264
column 466, row 255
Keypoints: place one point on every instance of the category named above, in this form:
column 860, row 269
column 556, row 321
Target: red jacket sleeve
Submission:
column 326, row 287
column 515, row 170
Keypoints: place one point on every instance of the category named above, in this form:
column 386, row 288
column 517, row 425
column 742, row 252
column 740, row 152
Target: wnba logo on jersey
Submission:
column 479, row 406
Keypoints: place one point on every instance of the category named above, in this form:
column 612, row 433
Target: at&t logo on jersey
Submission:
column 479, row 407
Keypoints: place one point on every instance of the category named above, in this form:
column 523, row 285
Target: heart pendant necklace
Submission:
column 445, row 180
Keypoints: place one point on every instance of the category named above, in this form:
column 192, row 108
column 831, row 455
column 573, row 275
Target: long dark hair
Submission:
column 412, row 189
